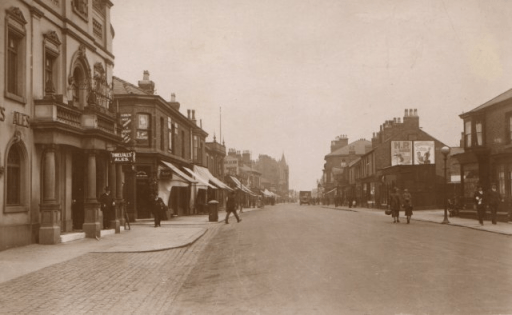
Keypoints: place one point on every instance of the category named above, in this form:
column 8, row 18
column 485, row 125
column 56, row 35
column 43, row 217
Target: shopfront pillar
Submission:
column 119, row 195
column 49, row 232
column 112, row 182
column 91, row 225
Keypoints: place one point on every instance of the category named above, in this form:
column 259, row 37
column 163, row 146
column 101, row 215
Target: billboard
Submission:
column 424, row 152
column 401, row 153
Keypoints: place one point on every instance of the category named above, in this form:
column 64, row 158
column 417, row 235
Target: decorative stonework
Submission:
column 52, row 37
column 81, row 7
column 17, row 15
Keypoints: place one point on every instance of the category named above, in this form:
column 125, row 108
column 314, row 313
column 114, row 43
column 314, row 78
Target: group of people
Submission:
column 399, row 201
column 483, row 200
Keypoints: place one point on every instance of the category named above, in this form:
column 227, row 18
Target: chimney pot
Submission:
column 193, row 114
column 145, row 75
column 173, row 97
column 188, row 113
column 415, row 112
column 406, row 113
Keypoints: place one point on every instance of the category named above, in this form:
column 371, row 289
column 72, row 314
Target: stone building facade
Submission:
column 56, row 120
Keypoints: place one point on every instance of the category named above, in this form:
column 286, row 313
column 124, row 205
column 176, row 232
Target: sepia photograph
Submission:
column 330, row 157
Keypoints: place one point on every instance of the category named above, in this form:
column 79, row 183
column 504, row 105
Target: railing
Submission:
column 68, row 116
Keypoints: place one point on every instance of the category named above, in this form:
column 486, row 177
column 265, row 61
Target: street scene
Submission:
column 285, row 259
column 255, row 157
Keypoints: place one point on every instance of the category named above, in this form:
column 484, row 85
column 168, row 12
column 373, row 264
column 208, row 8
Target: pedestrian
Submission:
column 231, row 207
column 494, row 198
column 107, row 205
column 395, row 205
column 407, row 205
column 480, row 205
column 157, row 207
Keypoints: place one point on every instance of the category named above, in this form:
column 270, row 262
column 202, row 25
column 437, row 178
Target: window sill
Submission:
column 14, row 97
column 15, row 209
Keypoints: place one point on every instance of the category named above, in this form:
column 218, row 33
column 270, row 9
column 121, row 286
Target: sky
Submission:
column 287, row 77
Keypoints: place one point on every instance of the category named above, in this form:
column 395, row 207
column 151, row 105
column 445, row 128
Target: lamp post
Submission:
column 445, row 150
column 342, row 177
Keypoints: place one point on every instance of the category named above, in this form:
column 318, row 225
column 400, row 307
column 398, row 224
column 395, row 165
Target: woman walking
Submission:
column 395, row 205
column 407, row 205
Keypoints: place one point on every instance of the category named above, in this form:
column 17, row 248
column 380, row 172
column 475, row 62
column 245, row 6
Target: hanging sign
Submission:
column 125, row 157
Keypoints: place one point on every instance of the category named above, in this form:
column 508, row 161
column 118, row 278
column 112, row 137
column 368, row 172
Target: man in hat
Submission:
column 479, row 203
column 231, row 207
column 107, row 204
column 494, row 198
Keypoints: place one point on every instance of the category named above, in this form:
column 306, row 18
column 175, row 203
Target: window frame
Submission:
column 15, row 27
column 468, row 141
column 22, row 167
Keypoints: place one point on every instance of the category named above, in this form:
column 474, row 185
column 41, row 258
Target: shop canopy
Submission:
column 205, row 173
column 177, row 171
column 200, row 178
column 330, row 191
column 241, row 186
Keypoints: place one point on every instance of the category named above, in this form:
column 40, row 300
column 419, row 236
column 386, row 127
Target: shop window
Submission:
column 501, row 179
column 13, row 177
column 15, row 55
column 143, row 129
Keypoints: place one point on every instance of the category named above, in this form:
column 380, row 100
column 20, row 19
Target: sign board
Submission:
column 2, row 113
column 424, row 152
column 21, row 119
column 165, row 173
column 401, row 153
column 122, row 157
column 126, row 132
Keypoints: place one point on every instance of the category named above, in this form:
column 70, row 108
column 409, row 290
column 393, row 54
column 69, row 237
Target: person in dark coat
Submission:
column 107, row 205
column 407, row 204
column 395, row 205
column 157, row 208
column 231, row 207
column 493, row 198
column 478, row 197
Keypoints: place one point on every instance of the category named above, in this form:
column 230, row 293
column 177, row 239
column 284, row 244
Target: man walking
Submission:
column 494, row 199
column 231, row 207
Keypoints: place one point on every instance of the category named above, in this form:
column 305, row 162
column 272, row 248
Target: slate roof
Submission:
column 122, row 87
column 500, row 98
column 359, row 146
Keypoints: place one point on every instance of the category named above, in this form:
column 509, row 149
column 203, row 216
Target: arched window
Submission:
column 13, row 178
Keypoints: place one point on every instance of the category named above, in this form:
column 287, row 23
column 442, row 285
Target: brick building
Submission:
column 487, row 156
column 404, row 156
column 169, row 147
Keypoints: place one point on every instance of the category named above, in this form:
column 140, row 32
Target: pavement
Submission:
column 175, row 233
column 437, row 216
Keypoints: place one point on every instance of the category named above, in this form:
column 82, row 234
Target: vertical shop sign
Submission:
column 126, row 132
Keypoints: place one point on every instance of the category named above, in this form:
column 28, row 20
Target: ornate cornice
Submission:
column 52, row 37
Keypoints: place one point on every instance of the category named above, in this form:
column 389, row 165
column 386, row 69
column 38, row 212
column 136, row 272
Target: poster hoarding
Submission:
column 424, row 152
column 401, row 153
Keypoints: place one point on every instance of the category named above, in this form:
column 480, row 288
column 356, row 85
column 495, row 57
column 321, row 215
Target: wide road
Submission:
column 291, row 259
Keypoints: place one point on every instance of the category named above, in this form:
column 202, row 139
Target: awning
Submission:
column 200, row 178
column 330, row 191
column 205, row 173
column 241, row 186
column 178, row 172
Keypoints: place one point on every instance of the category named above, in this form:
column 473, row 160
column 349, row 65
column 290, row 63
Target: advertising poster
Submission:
column 401, row 153
column 424, row 152
column 126, row 132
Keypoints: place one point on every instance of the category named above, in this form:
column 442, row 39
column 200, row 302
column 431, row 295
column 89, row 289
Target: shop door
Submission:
column 77, row 191
column 143, row 198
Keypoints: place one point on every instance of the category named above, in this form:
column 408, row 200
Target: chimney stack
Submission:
column 188, row 113
column 146, row 84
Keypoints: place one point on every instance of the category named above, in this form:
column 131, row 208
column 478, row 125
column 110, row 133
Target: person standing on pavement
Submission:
column 231, row 207
column 407, row 204
column 107, row 205
column 395, row 205
column 480, row 205
column 157, row 207
column 494, row 198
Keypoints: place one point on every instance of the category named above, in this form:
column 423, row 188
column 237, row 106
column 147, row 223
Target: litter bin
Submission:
column 214, row 211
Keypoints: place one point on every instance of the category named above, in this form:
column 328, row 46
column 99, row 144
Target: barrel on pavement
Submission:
column 213, row 210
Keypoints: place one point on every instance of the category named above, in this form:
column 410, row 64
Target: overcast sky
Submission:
column 291, row 75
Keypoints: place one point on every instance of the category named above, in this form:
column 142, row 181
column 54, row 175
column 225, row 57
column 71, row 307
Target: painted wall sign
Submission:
column 401, row 153
column 2, row 114
column 126, row 132
column 21, row 119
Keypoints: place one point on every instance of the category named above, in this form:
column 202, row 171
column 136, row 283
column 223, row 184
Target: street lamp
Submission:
column 445, row 150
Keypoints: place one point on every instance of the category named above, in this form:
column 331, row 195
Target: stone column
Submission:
column 112, row 182
column 49, row 232
column 119, row 195
column 91, row 225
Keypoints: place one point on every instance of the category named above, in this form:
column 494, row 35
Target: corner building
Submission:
column 57, row 120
